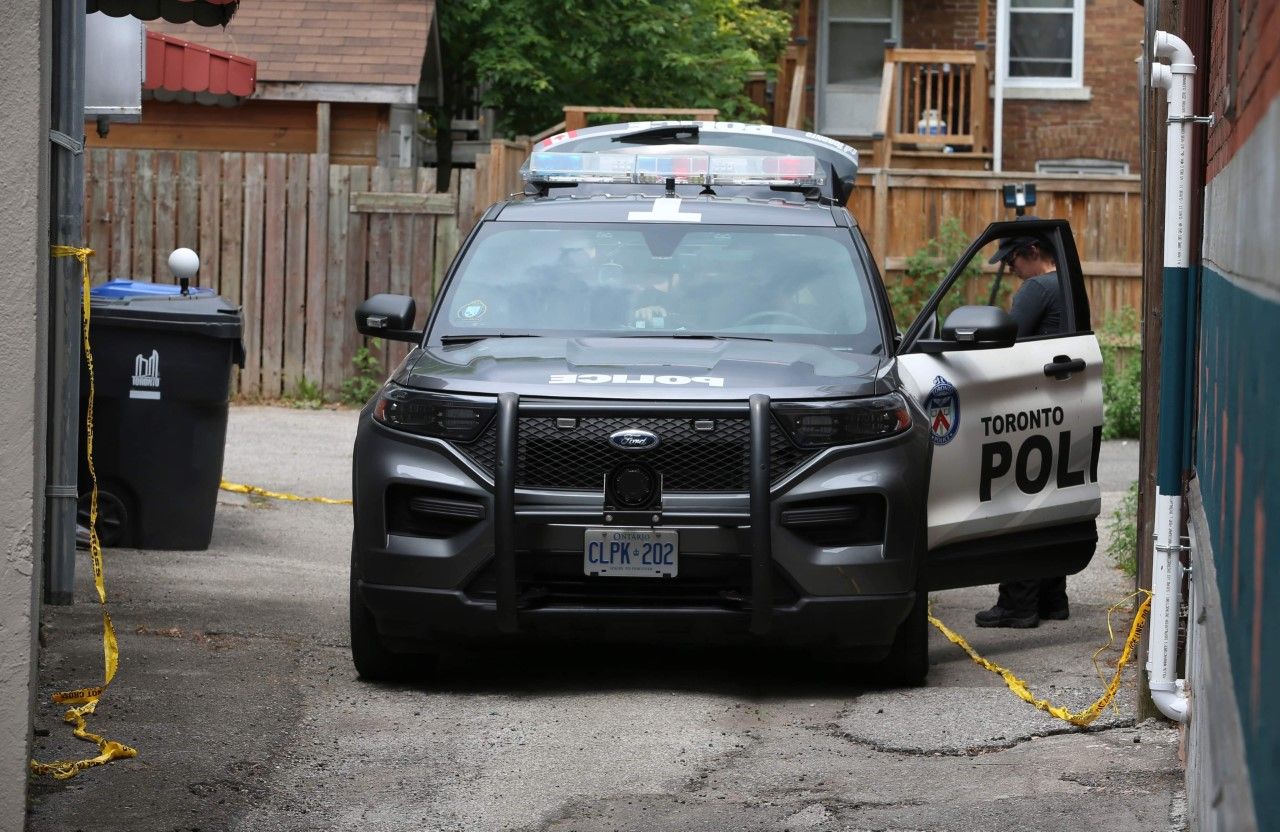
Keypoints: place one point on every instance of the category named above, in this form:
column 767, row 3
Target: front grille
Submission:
column 578, row 458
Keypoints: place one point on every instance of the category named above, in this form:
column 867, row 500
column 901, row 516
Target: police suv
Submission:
column 662, row 397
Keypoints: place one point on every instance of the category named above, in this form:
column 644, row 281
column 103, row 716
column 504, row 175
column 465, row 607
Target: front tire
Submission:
column 907, row 664
column 373, row 661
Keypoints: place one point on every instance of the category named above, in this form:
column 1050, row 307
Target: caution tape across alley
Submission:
column 256, row 491
column 1019, row 687
column 85, row 700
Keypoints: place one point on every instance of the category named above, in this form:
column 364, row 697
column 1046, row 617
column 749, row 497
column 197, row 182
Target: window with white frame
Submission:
column 1045, row 43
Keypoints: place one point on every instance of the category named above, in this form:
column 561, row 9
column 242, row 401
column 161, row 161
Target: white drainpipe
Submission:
column 1001, row 61
column 1168, row 691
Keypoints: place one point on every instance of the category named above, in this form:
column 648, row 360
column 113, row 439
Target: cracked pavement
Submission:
column 237, row 689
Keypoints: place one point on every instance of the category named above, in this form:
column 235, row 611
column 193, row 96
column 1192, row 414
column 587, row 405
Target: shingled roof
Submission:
column 323, row 41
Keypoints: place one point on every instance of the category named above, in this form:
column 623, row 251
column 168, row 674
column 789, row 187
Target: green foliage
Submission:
column 367, row 380
column 1123, row 526
column 307, row 395
column 925, row 270
column 532, row 57
column 1121, row 376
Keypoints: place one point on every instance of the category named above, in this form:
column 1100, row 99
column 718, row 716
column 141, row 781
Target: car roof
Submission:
column 655, row 206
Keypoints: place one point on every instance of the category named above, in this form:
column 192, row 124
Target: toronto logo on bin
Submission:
column 146, row 373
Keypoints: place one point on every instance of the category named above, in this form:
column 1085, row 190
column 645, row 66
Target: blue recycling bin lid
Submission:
column 122, row 289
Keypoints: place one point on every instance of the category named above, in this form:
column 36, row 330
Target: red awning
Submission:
column 178, row 70
column 201, row 12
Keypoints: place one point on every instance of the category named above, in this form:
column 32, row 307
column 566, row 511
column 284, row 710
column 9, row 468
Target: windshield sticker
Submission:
column 623, row 378
column 943, row 408
column 473, row 311
column 665, row 209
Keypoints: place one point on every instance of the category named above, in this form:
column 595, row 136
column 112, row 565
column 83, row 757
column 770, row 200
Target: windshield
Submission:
column 792, row 284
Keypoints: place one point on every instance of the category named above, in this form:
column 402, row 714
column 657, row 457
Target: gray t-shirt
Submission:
column 1037, row 307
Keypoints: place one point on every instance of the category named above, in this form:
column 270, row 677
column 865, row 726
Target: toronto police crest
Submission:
column 942, row 406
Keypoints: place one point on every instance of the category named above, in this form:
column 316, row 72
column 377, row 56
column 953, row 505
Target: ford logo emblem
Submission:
column 634, row 439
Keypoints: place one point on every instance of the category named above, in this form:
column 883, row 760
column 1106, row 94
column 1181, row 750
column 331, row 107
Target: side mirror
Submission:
column 974, row 328
column 388, row 316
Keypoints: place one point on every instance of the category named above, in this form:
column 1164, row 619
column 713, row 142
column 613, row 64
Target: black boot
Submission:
column 998, row 616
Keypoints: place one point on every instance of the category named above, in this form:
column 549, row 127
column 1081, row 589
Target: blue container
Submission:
column 120, row 289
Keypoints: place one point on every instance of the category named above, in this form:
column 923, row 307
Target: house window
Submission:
column 1083, row 167
column 1045, row 43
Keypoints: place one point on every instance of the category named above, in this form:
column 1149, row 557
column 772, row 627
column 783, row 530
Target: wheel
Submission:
column 373, row 661
column 907, row 664
column 113, row 518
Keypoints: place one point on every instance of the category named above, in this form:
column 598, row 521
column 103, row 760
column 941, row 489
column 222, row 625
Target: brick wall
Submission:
column 943, row 24
column 1256, row 81
column 1104, row 127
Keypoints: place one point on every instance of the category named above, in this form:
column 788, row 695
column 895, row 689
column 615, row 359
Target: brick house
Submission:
column 1060, row 75
column 332, row 77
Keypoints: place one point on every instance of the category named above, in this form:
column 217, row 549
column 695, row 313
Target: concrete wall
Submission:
column 23, row 274
column 1233, row 762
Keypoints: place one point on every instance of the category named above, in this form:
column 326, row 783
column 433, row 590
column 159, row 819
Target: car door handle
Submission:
column 1063, row 367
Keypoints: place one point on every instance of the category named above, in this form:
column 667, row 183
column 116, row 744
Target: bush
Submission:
column 926, row 268
column 306, row 396
column 1123, row 526
column 1121, row 385
column 367, row 379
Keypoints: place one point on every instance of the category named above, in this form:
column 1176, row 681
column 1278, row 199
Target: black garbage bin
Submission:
column 162, row 369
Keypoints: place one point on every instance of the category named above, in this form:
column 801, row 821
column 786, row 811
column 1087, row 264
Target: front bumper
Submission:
column 745, row 574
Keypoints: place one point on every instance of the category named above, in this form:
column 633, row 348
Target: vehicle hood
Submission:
column 643, row 369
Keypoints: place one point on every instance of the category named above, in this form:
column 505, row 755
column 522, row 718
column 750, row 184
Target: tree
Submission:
column 528, row 58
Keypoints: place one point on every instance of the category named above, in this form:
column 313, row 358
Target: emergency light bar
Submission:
column 690, row 169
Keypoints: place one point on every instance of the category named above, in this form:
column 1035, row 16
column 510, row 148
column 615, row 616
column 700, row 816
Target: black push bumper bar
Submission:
column 504, row 531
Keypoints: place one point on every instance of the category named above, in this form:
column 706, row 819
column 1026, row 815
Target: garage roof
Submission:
column 324, row 41
column 200, row 12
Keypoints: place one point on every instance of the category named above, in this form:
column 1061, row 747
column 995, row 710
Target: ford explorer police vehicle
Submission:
column 661, row 397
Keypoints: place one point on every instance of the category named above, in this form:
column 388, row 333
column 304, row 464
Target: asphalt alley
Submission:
column 236, row 686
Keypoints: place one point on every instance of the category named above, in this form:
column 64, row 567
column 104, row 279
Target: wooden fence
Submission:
column 299, row 242
column 900, row 210
column 296, row 241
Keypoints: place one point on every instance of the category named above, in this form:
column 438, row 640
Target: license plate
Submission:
column 631, row 553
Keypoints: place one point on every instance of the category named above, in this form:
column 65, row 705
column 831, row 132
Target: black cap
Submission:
column 1009, row 245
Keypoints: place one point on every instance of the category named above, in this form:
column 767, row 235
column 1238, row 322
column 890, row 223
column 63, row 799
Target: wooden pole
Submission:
column 322, row 128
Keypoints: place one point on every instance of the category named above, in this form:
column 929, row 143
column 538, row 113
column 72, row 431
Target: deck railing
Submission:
column 931, row 99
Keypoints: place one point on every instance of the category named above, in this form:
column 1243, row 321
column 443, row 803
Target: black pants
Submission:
column 1034, row 595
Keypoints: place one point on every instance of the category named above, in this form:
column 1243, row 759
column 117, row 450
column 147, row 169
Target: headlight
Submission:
column 431, row 415
column 822, row 424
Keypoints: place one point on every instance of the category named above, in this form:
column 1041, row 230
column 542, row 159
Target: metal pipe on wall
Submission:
column 66, row 228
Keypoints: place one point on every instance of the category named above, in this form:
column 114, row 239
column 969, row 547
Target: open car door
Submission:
column 1016, row 422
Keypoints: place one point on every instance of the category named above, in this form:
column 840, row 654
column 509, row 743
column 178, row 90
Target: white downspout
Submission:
column 1167, row 691
column 1001, row 58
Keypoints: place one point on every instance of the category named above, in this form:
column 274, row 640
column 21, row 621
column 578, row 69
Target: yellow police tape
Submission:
column 240, row 488
column 1019, row 687
column 87, row 698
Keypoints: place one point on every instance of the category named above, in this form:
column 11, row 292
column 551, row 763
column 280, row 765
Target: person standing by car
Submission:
column 1037, row 307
